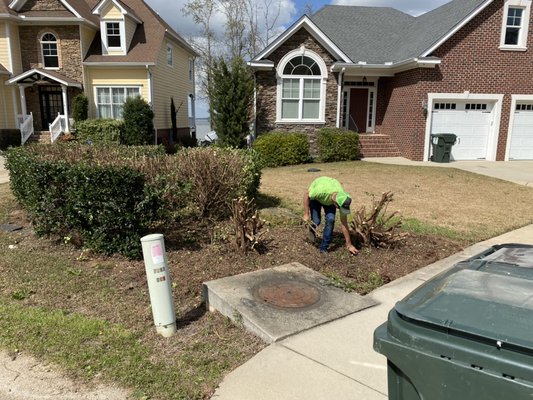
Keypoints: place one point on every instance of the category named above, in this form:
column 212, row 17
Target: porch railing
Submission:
column 57, row 127
column 26, row 128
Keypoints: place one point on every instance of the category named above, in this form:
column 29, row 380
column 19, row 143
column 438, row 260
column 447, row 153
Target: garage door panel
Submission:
column 521, row 147
column 472, row 128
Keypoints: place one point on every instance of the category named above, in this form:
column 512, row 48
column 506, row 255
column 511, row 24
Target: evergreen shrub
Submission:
column 336, row 144
column 277, row 149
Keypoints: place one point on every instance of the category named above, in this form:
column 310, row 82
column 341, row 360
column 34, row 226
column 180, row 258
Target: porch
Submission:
column 44, row 98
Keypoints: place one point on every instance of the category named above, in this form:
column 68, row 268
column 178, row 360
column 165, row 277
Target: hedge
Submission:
column 99, row 131
column 337, row 145
column 277, row 149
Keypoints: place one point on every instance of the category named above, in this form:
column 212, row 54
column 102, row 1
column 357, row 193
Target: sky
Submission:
column 291, row 10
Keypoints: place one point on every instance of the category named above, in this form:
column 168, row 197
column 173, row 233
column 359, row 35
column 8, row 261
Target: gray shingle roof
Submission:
column 378, row 34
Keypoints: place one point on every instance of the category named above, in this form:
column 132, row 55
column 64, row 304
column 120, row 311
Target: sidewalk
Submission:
column 336, row 360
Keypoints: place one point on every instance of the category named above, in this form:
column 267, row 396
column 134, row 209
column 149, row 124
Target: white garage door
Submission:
column 471, row 121
column 521, row 147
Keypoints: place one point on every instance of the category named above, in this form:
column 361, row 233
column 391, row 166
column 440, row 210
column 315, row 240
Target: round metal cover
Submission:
column 288, row 294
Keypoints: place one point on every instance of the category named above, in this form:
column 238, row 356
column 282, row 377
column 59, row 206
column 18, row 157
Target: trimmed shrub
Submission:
column 80, row 108
column 99, row 131
column 216, row 176
column 105, row 208
column 138, row 122
column 282, row 148
column 337, row 145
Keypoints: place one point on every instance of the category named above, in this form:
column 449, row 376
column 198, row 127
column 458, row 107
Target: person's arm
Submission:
column 346, row 232
column 306, row 206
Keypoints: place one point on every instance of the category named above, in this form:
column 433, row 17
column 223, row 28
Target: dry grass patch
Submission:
column 472, row 206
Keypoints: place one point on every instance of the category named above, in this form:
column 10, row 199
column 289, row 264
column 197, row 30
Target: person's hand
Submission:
column 353, row 251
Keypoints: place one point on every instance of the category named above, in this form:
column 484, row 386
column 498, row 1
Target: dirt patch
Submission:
column 24, row 378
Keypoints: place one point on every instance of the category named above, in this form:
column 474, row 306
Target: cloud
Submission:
column 413, row 7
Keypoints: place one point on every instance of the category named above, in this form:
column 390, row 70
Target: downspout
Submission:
column 255, row 106
column 339, row 96
column 151, row 97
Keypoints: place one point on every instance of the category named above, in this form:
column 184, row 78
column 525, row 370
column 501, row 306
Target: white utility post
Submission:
column 156, row 264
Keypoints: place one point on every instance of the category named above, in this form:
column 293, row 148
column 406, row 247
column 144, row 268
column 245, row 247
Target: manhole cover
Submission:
column 288, row 294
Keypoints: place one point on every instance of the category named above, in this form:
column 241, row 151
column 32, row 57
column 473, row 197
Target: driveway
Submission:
column 520, row 172
column 4, row 175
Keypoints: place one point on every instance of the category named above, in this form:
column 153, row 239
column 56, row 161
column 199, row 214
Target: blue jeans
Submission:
column 316, row 214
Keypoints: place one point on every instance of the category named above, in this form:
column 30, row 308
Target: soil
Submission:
column 197, row 254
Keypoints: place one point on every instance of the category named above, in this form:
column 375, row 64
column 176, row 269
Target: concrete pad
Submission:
column 262, row 379
column 4, row 174
column 238, row 298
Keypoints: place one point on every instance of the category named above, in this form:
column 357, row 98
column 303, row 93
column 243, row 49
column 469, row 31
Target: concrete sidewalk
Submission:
column 336, row 360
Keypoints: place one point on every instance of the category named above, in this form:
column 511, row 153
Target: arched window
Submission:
column 301, row 88
column 49, row 50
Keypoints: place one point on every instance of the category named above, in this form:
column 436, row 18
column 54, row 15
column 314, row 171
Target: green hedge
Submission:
column 105, row 208
column 99, row 130
column 107, row 197
column 282, row 148
column 337, row 145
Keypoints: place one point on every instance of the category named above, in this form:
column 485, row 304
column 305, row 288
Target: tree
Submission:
column 80, row 107
column 138, row 122
column 231, row 92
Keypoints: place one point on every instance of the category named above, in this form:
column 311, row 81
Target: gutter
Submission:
column 117, row 64
column 385, row 69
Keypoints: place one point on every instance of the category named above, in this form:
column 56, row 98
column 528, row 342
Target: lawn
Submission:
column 91, row 315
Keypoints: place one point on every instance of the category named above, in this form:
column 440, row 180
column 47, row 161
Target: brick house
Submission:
column 463, row 68
column 51, row 50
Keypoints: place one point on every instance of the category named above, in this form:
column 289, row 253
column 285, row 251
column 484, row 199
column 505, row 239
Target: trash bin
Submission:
column 467, row 334
column 441, row 144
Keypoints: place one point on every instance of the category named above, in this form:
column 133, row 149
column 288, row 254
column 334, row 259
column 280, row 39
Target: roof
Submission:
column 3, row 70
column 377, row 35
column 38, row 74
column 146, row 41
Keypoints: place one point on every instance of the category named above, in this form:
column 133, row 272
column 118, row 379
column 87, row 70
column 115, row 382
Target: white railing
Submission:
column 20, row 120
column 57, row 127
column 26, row 128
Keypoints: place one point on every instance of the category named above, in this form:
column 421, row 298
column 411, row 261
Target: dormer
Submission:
column 117, row 26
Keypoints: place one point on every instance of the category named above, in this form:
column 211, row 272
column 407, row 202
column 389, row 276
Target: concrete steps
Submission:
column 40, row 137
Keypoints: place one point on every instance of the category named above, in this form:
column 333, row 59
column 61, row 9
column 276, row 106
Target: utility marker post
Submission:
column 156, row 264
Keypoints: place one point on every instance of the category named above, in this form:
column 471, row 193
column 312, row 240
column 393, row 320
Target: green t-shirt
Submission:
column 322, row 189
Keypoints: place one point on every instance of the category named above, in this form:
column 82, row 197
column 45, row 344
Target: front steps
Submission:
column 40, row 137
column 373, row 145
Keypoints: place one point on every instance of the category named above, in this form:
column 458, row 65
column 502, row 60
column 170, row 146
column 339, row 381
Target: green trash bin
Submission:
column 442, row 143
column 467, row 334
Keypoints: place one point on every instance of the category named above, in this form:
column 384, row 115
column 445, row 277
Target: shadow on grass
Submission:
column 265, row 201
column 191, row 316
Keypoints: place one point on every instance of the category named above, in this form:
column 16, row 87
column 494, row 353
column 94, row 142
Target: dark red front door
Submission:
column 358, row 110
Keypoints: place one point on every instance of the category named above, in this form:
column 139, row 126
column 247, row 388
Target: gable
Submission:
column 42, row 5
column 111, row 11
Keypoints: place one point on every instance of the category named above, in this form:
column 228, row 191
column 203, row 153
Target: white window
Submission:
column 113, row 35
column 110, row 100
column 301, row 92
column 49, row 51
column 515, row 25
column 170, row 60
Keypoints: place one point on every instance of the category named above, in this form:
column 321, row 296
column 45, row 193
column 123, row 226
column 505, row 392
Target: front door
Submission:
column 51, row 100
column 358, row 110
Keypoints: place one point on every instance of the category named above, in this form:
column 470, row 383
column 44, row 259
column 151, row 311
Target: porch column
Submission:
column 23, row 100
column 65, row 107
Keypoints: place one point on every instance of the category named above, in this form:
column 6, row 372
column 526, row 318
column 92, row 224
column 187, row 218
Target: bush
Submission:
column 106, row 208
column 216, row 176
column 80, row 108
column 282, row 148
column 337, row 145
column 99, row 131
column 138, row 122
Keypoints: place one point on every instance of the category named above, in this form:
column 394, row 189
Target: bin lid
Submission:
column 448, row 137
column 489, row 299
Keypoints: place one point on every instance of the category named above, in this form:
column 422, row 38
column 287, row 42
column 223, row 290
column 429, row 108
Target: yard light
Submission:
column 155, row 262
